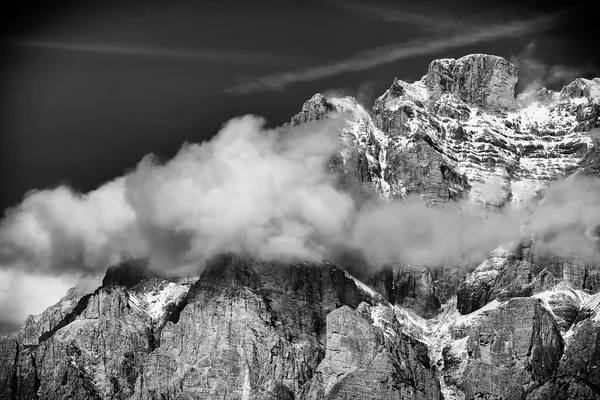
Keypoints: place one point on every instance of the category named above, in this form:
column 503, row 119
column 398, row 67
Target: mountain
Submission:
column 522, row 324
column 459, row 127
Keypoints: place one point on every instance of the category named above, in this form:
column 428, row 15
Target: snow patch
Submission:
column 154, row 299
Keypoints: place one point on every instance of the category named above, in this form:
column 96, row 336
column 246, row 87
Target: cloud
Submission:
column 265, row 193
column 363, row 93
column 412, row 232
column 56, row 230
column 241, row 57
column 567, row 220
column 383, row 12
column 535, row 74
column 22, row 294
column 392, row 53
column 248, row 190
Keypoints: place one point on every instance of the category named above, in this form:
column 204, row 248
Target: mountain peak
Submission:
column 482, row 80
column 316, row 108
column 581, row 87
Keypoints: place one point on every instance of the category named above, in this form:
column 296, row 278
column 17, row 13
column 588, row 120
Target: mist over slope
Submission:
column 268, row 194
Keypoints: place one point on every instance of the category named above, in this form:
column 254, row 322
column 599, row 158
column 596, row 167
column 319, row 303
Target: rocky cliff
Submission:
column 244, row 330
column 522, row 324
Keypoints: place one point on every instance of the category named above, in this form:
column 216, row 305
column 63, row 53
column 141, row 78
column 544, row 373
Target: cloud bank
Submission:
column 248, row 190
column 266, row 194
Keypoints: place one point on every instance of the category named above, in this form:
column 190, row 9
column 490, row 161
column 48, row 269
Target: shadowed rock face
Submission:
column 244, row 329
column 590, row 163
column 409, row 286
column 511, row 349
column 316, row 109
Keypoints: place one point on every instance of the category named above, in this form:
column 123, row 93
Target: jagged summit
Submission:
column 316, row 108
column 582, row 88
column 478, row 79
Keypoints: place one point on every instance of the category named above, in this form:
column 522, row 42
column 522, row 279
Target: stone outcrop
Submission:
column 581, row 87
column 510, row 351
column 421, row 170
column 478, row 79
column 577, row 376
column 9, row 352
column 523, row 272
column 356, row 166
column 382, row 367
column 54, row 317
column 316, row 108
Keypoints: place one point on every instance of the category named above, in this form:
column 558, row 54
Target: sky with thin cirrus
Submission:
column 90, row 87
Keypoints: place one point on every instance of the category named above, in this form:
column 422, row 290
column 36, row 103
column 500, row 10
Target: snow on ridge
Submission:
column 349, row 104
column 535, row 140
column 367, row 290
column 520, row 151
column 155, row 297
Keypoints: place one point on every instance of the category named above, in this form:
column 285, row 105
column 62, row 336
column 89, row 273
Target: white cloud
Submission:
column 263, row 193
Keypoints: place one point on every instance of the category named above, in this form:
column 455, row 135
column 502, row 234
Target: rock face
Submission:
column 477, row 79
column 374, row 368
column 590, row 163
column 244, row 329
column 511, row 350
column 409, row 286
column 523, row 272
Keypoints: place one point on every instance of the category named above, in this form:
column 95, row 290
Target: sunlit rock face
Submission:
column 520, row 324
column 477, row 79
column 512, row 348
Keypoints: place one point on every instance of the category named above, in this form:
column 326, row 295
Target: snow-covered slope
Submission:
column 460, row 132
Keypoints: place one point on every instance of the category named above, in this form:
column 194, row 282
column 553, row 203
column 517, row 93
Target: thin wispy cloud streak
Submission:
column 241, row 57
column 392, row 53
column 388, row 14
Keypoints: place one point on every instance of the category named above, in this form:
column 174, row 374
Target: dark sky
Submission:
column 89, row 87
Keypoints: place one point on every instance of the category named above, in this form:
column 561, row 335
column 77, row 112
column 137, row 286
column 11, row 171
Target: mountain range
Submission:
column 521, row 323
